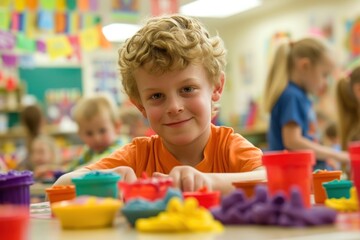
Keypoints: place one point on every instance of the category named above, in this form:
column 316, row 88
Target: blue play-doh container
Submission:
column 96, row 183
column 338, row 188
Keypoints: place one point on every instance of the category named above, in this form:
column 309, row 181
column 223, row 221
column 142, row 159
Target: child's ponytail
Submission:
column 277, row 78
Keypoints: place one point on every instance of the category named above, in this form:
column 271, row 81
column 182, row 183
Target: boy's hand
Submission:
column 187, row 178
column 127, row 173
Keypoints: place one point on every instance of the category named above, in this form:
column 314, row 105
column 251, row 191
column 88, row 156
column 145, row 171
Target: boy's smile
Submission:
column 177, row 103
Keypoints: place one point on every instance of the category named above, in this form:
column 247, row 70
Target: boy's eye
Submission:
column 89, row 134
column 102, row 130
column 156, row 96
column 187, row 89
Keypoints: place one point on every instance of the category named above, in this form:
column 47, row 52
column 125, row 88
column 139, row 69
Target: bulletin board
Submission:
column 38, row 80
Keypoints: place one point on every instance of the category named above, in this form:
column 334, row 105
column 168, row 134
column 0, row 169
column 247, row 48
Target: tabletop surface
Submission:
column 43, row 226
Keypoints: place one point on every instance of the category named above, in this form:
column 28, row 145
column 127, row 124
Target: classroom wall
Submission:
column 250, row 36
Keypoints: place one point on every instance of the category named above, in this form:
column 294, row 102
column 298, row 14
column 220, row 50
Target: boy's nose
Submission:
column 174, row 105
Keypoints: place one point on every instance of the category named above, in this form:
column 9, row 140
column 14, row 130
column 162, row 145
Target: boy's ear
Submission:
column 218, row 88
column 139, row 106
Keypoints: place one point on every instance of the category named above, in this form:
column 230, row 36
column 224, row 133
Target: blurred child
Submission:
column 133, row 122
column 348, row 101
column 331, row 139
column 98, row 127
column 173, row 71
column 44, row 157
column 299, row 68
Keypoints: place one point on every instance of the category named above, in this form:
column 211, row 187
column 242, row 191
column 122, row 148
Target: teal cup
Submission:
column 96, row 183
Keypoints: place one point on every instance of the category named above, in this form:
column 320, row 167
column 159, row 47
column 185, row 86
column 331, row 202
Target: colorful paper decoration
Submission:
column 45, row 20
column 22, row 42
column 48, row 4
column 72, row 26
column 19, row 5
column 354, row 38
column 93, row 5
column 15, row 21
column 30, row 24
column 7, row 41
column 83, row 5
column 31, row 4
column 60, row 22
column 4, row 19
column 60, row 5
column 9, row 60
column 74, row 41
column 125, row 9
column 40, row 46
column 160, row 7
column 104, row 43
column 89, row 38
column 4, row 3
column 58, row 46
column 71, row 4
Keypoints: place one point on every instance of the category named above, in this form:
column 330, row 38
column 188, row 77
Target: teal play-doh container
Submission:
column 95, row 183
column 338, row 188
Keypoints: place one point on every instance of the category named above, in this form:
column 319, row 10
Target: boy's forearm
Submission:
column 223, row 181
column 66, row 178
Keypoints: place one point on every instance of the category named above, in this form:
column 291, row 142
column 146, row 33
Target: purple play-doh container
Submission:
column 15, row 187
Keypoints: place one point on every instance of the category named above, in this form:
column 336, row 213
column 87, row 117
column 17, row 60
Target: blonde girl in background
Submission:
column 348, row 101
column 299, row 69
column 44, row 157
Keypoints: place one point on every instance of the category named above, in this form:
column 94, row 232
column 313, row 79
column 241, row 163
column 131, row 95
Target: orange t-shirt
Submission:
column 225, row 152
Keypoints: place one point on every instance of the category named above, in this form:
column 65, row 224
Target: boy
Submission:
column 172, row 70
column 99, row 128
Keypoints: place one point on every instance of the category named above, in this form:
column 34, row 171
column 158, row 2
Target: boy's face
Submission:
column 98, row 132
column 178, row 103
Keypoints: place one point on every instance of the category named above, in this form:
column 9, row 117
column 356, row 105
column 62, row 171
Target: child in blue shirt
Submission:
column 299, row 68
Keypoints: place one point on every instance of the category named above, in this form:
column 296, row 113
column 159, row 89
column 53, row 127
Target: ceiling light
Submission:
column 119, row 32
column 218, row 9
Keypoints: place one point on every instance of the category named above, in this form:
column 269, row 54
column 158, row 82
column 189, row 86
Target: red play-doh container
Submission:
column 145, row 187
column 14, row 222
column 354, row 151
column 289, row 169
column 205, row 198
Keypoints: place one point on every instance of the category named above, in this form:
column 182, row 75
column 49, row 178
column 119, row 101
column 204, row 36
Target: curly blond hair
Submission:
column 170, row 43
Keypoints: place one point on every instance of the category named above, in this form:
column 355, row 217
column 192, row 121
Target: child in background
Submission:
column 173, row 71
column 98, row 127
column 133, row 122
column 44, row 157
column 33, row 120
column 348, row 101
column 299, row 68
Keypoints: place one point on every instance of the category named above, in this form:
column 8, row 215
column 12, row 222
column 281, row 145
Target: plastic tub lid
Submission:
column 96, row 176
column 14, row 178
column 337, row 184
column 325, row 173
column 203, row 193
column 304, row 157
column 60, row 189
column 8, row 212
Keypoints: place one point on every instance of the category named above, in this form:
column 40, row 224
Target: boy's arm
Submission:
column 66, row 178
column 223, row 181
column 293, row 140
